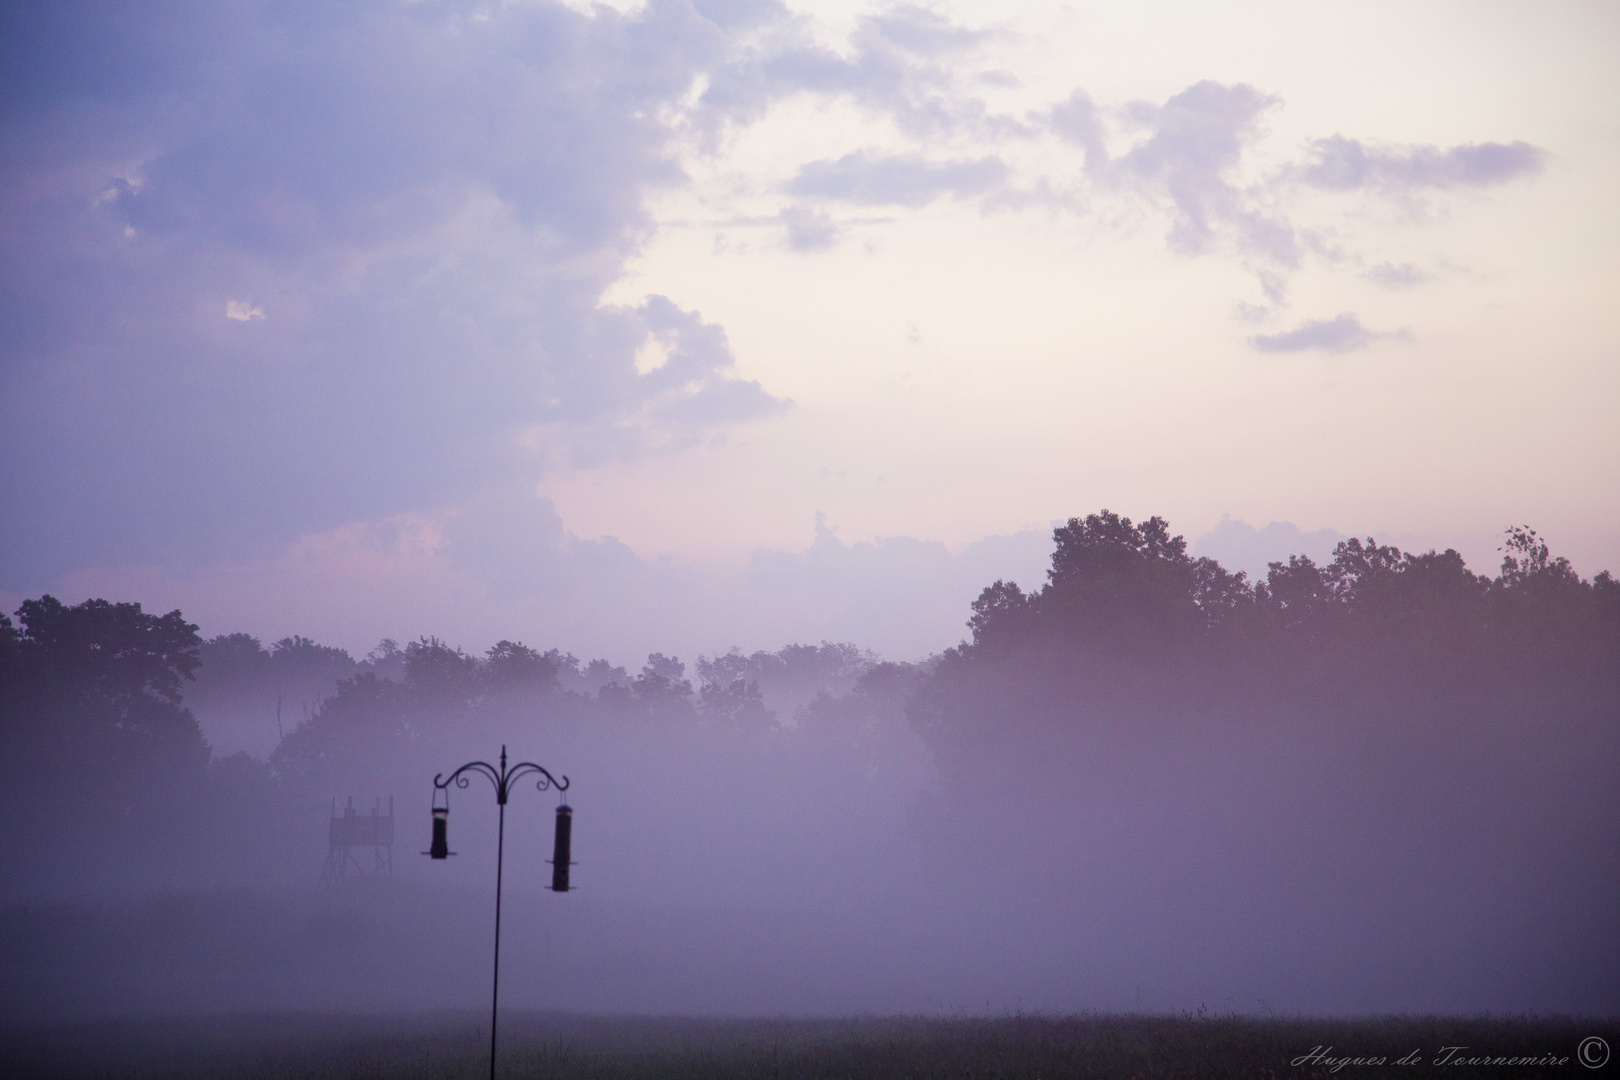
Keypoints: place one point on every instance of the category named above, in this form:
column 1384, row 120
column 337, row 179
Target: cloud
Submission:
column 696, row 381
column 435, row 198
column 903, row 596
column 1076, row 120
column 1195, row 145
column 504, row 565
column 1198, row 138
column 690, row 392
column 922, row 31
column 741, row 14
column 1391, row 276
column 904, row 62
column 432, row 204
column 1341, row 164
column 905, row 180
column 1340, row 334
column 810, row 230
column 1237, row 545
column 1195, row 151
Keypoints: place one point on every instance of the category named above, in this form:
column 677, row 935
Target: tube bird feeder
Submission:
column 440, row 848
column 561, row 848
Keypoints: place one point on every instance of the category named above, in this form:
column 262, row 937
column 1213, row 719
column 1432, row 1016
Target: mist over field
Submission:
column 1379, row 784
column 1006, row 511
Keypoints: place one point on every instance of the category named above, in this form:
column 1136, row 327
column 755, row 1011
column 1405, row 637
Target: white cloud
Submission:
column 242, row 311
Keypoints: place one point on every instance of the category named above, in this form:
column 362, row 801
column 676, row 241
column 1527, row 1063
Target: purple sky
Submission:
column 565, row 323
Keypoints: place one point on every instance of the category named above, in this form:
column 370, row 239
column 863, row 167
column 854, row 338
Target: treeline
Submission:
column 1129, row 629
column 443, row 692
column 1123, row 592
column 240, row 683
column 104, row 760
column 108, row 776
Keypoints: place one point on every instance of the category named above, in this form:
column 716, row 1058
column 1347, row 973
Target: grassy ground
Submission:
column 1049, row 1048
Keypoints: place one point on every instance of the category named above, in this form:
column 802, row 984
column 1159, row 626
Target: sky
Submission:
column 684, row 325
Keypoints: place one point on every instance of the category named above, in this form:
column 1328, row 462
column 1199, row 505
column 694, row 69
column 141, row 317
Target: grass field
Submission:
column 1046, row 1047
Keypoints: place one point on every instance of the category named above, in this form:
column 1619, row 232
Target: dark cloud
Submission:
column 265, row 270
column 417, row 211
column 1340, row 334
column 1341, row 164
column 910, row 180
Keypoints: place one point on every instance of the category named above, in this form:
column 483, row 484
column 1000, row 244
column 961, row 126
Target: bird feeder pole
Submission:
column 502, row 779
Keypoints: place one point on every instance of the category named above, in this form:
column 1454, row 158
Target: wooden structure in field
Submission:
column 359, row 845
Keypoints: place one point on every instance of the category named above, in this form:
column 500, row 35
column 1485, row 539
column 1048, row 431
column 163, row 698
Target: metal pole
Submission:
column 495, row 995
column 502, row 779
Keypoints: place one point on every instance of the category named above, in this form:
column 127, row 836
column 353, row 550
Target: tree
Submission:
column 93, row 692
column 105, row 680
column 366, row 718
column 791, row 677
column 441, row 677
column 739, row 702
column 662, row 683
column 1125, row 589
column 1129, row 628
column 1001, row 609
column 510, row 666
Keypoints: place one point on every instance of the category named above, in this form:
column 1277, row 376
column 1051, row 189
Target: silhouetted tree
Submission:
column 739, row 703
column 99, row 759
column 241, row 685
column 792, row 676
column 366, row 717
column 1128, row 625
column 102, row 681
column 662, row 686
column 512, row 666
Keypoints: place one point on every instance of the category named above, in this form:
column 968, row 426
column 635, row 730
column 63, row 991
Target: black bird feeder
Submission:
column 560, row 848
column 440, row 848
column 502, row 779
